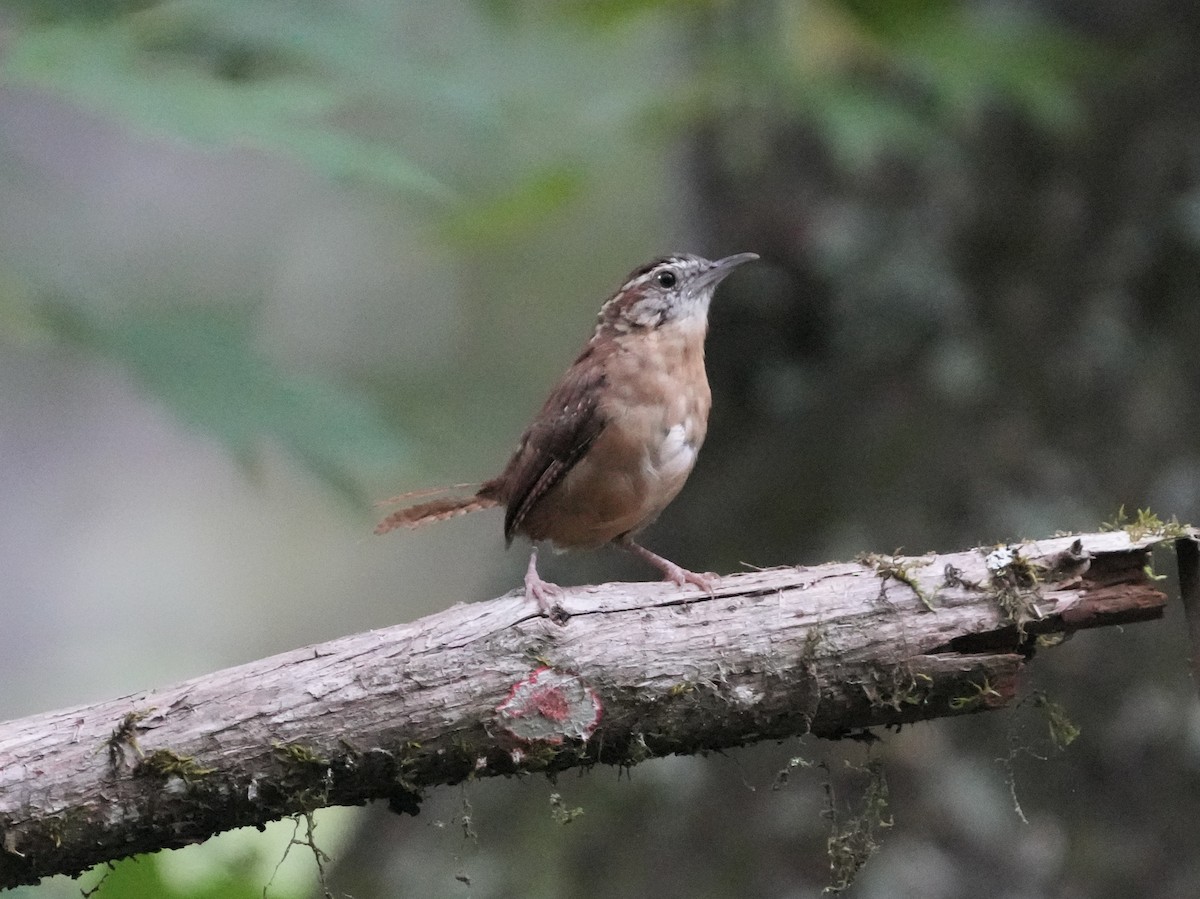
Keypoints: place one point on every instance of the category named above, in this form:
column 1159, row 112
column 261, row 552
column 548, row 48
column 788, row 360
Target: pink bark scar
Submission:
column 550, row 706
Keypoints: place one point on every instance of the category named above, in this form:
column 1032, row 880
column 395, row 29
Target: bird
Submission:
column 618, row 435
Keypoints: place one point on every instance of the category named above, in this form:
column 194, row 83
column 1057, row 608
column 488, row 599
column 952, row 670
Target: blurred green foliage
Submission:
column 329, row 86
column 515, row 209
column 202, row 364
column 289, row 76
column 142, row 877
column 173, row 71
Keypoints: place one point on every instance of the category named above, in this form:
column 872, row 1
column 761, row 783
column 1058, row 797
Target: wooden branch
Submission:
column 636, row 671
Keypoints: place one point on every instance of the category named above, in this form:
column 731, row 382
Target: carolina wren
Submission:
column 619, row 434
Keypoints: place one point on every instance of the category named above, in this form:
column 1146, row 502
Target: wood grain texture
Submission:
column 638, row 671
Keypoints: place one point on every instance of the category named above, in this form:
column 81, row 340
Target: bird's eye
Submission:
column 665, row 279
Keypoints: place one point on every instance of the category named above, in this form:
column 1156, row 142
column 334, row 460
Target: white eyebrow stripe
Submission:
column 686, row 263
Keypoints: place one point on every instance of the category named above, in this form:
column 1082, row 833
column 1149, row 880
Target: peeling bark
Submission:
column 637, row 671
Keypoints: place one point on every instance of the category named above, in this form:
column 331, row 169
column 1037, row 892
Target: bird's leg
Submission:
column 544, row 593
column 671, row 571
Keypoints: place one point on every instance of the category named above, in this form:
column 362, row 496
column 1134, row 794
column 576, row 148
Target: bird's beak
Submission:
column 723, row 267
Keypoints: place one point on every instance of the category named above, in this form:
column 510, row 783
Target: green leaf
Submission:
column 93, row 10
column 203, row 365
column 1032, row 65
column 967, row 58
column 860, row 126
column 19, row 320
column 141, row 877
column 508, row 214
column 166, row 76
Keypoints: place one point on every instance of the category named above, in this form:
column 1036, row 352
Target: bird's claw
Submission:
column 682, row 577
column 545, row 594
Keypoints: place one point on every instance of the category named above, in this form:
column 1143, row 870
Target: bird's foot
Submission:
column 544, row 593
column 706, row 581
column 672, row 572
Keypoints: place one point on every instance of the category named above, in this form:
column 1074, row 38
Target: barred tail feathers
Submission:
column 437, row 510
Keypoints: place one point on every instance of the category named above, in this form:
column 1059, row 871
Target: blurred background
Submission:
column 263, row 262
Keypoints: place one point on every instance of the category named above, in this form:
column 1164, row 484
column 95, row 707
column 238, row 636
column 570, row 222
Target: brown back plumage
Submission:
column 570, row 421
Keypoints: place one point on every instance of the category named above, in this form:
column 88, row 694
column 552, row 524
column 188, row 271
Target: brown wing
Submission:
column 570, row 421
